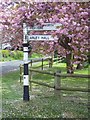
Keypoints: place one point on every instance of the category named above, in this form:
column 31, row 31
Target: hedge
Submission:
column 10, row 55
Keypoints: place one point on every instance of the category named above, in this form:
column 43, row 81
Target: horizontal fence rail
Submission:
column 44, row 84
column 39, row 60
column 59, row 75
column 62, row 88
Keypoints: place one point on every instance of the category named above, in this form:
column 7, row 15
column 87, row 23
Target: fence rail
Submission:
column 61, row 75
column 39, row 59
column 57, row 81
column 49, row 59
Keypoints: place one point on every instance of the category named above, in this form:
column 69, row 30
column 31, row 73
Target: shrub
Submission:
column 86, row 64
column 36, row 55
column 11, row 55
column 5, row 53
column 19, row 54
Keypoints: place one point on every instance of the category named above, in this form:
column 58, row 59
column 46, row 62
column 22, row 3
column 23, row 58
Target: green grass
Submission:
column 44, row 102
column 10, row 84
column 36, row 55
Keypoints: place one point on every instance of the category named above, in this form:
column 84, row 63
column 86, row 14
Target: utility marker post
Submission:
column 25, row 58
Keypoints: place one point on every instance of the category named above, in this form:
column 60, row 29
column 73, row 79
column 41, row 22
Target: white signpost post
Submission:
column 26, row 38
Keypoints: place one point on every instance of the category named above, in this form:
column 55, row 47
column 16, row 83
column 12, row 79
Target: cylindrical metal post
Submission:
column 26, row 76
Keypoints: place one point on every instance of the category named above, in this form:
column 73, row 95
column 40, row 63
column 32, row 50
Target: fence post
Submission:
column 50, row 62
column 57, row 81
column 30, row 78
column 31, row 63
column 42, row 63
column 21, row 73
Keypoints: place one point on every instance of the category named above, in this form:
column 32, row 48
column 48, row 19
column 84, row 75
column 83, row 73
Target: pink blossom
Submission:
column 81, row 9
column 73, row 17
column 81, row 49
column 74, row 23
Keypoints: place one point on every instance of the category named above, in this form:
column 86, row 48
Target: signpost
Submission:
column 41, row 37
column 25, row 59
column 45, row 27
column 26, row 38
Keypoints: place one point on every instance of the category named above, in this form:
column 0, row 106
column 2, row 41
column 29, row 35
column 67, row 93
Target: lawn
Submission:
column 44, row 102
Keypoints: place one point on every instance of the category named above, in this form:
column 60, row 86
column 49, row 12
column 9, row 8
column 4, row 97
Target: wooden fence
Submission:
column 57, row 79
column 48, row 59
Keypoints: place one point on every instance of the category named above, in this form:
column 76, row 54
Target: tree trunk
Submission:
column 79, row 66
column 69, row 64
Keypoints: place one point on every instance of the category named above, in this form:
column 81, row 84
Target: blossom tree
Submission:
column 72, row 36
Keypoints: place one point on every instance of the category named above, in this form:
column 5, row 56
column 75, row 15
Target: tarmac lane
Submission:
column 9, row 66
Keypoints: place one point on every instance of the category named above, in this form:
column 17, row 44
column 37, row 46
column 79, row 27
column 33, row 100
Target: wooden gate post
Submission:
column 42, row 63
column 50, row 62
column 31, row 63
column 57, row 81
column 21, row 73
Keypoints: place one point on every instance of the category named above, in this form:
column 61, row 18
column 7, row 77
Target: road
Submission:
column 6, row 67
